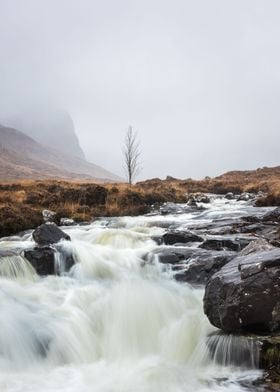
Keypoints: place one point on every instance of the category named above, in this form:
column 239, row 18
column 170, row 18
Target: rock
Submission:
column 251, row 219
column 48, row 215
column 180, row 237
column 256, row 246
column 203, row 198
column 245, row 196
column 67, row 222
column 229, row 196
column 225, row 244
column 244, row 294
column 201, row 267
column 42, row 259
column 192, row 201
column 48, row 260
column 174, row 256
column 49, row 233
column 272, row 216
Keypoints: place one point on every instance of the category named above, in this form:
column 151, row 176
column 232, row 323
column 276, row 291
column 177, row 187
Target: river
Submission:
column 118, row 321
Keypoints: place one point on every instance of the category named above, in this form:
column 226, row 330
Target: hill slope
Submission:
column 48, row 126
column 23, row 157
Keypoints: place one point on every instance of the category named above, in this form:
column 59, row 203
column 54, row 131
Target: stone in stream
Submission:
column 48, row 215
column 272, row 216
column 49, row 233
column 245, row 293
column 180, row 237
column 225, row 244
column 201, row 267
column 42, row 259
column 176, row 255
column 48, row 260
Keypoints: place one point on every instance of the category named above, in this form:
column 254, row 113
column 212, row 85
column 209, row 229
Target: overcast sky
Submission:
column 198, row 79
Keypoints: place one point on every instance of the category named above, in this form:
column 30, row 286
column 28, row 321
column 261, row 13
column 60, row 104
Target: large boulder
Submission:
column 245, row 294
column 49, row 233
column 180, row 237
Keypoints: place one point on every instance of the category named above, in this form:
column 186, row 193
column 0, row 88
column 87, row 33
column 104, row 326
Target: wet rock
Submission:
column 201, row 267
column 251, row 219
column 225, row 244
column 245, row 196
column 67, row 222
column 272, row 216
column 174, row 256
column 42, row 259
column 229, row 196
column 258, row 245
column 49, row 233
column 244, row 294
column 180, row 237
column 48, row 215
column 203, row 198
column 48, row 260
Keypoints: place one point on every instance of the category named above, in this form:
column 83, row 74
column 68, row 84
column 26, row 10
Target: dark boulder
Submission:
column 47, row 260
column 225, row 244
column 201, row 267
column 180, row 237
column 174, row 256
column 42, row 259
column 245, row 294
column 49, row 233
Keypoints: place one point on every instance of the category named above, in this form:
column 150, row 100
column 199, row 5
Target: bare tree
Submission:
column 131, row 152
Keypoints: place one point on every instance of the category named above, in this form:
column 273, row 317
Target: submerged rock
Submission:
column 244, row 294
column 49, row 233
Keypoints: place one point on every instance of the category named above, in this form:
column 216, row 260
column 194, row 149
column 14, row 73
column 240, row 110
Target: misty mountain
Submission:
column 23, row 157
column 49, row 126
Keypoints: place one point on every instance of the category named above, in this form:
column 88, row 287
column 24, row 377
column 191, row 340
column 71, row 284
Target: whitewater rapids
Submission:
column 117, row 322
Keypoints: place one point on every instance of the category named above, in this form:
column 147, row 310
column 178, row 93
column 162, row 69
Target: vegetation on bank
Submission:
column 21, row 203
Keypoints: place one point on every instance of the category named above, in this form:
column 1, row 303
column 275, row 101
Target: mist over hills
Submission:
column 49, row 126
column 23, row 157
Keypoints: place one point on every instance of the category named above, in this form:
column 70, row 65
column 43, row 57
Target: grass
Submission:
column 21, row 203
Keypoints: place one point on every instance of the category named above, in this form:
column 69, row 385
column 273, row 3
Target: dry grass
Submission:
column 21, row 203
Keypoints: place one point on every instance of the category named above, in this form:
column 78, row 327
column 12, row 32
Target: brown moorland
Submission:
column 21, row 203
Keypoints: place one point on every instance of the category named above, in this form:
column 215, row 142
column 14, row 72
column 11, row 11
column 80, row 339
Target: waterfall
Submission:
column 116, row 322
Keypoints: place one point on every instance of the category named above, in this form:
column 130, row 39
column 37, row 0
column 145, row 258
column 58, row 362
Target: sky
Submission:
column 198, row 80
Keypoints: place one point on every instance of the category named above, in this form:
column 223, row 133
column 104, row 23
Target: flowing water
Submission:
column 117, row 322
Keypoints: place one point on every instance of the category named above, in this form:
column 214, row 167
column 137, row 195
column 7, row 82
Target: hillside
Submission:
column 22, row 157
column 48, row 126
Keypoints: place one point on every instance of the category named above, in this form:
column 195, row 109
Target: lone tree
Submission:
column 131, row 152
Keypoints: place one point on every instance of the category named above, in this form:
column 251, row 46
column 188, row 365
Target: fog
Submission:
column 198, row 80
